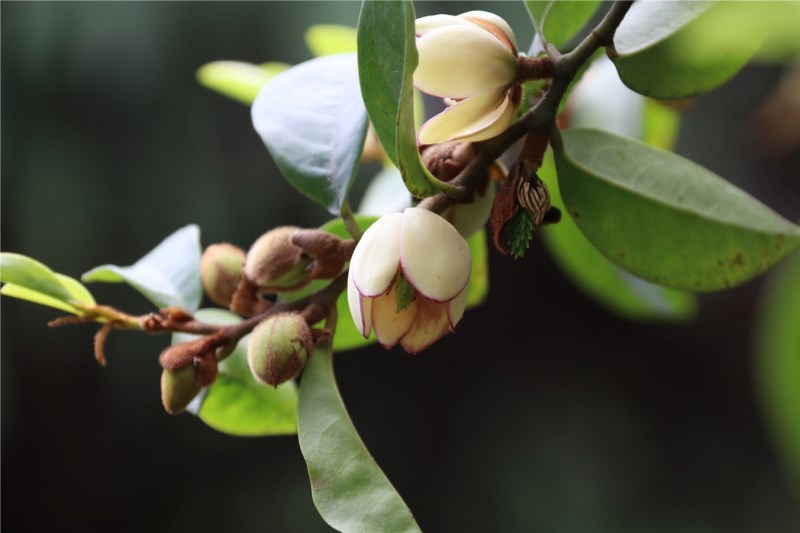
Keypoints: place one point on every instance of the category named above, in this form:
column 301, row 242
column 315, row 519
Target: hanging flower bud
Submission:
column 178, row 389
column 274, row 263
column 221, row 271
column 408, row 279
column 470, row 60
column 279, row 348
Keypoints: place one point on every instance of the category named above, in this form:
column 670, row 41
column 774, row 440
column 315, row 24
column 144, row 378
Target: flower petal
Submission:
column 434, row 257
column 462, row 61
column 455, row 309
column 377, row 256
column 424, row 25
column 360, row 308
column 390, row 325
column 430, row 324
column 470, row 119
column 482, row 17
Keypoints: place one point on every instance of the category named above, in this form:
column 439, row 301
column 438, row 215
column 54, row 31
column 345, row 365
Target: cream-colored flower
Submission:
column 435, row 260
column 471, row 61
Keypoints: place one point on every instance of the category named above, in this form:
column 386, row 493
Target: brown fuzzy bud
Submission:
column 275, row 264
column 178, row 389
column 221, row 271
column 279, row 348
column 446, row 161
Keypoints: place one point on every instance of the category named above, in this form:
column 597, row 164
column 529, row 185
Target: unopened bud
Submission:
column 279, row 348
column 178, row 388
column 275, row 264
column 221, row 271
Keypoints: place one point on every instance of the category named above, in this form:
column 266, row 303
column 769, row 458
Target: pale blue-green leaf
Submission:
column 350, row 491
column 385, row 194
column 313, row 122
column 330, row 39
column 238, row 80
column 169, row 275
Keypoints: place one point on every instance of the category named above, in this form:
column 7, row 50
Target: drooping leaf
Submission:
column 169, row 275
column 558, row 20
column 236, row 403
column 478, row 287
column 330, row 39
column 778, row 360
column 238, row 80
column 313, row 122
column 387, row 57
column 28, row 279
column 682, row 49
column 617, row 290
column 664, row 218
column 350, row 491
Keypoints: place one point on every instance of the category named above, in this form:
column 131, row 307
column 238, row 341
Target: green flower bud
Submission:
column 279, row 348
column 178, row 388
column 275, row 264
column 221, row 271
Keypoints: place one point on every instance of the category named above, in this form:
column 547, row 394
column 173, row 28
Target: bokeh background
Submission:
column 544, row 413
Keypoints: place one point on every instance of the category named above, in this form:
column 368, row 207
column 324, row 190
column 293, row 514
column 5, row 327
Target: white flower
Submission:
column 425, row 249
column 470, row 60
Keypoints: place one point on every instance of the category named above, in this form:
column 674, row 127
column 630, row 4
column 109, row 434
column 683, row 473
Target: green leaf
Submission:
column 313, row 122
column 682, row 49
column 236, row 79
column 28, row 279
column 778, row 360
column 387, row 57
column 385, row 194
column 236, row 403
column 559, row 20
column 169, row 275
column 330, row 39
column 664, row 218
column 405, row 292
column 350, row 491
column 478, row 287
column 599, row 278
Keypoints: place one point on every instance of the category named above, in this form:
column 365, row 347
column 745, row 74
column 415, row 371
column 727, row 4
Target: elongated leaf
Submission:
column 664, row 218
column 387, row 57
column 478, row 287
column 313, row 122
column 778, row 347
column 236, row 403
column 559, row 20
column 238, row 80
column 681, row 49
column 350, row 491
column 330, row 39
column 169, row 275
column 28, row 279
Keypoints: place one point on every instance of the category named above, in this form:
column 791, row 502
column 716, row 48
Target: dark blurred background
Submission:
column 544, row 413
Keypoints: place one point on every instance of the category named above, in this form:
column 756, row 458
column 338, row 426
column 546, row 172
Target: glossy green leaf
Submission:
column 478, row 287
column 387, row 57
column 778, row 360
column 560, row 20
column 169, row 275
column 664, row 218
column 236, row 403
column 28, row 279
column 313, row 122
column 682, row 49
column 617, row 290
column 350, row 491
column 330, row 39
column 238, row 80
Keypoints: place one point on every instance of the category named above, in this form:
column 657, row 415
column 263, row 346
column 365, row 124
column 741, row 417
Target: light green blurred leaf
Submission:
column 169, row 275
column 236, row 403
column 778, row 362
column 238, row 80
column 385, row 194
column 313, row 122
column 478, row 287
column 387, row 57
column 661, row 124
column 330, row 39
column 350, row 491
column 28, row 279
column 682, row 49
column 664, row 218
column 559, row 20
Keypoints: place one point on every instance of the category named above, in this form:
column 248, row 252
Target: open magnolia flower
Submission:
column 471, row 61
column 408, row 279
